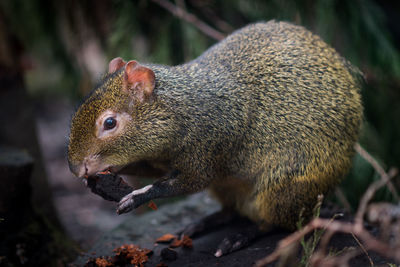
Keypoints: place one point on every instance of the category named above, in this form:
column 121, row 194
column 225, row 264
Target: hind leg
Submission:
column 209, row 223
column 235, row 241
column 283, row 205
column 239, row 240
column 277, row 207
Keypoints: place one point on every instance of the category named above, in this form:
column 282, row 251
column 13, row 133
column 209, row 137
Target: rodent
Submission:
column 266, row 119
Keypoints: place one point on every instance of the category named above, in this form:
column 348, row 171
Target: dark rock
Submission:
column 27, row 236
column 15, row 194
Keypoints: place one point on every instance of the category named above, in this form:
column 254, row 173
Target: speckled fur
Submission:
column 266, row 119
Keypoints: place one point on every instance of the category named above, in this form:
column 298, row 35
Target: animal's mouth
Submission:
column 122, row 169
column 111, row 169
column 139, row 168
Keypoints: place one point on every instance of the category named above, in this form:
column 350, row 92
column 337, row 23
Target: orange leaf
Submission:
column 176, row 243
column 104, row 172
column 187, row 242
column 166, row 238
column 152, row 205
column 103, row 262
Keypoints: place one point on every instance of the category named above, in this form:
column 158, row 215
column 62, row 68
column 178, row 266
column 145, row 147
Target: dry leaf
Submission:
column 137, row 256
column 103, row 262
column 186, row 242
column 166, row 238
column 152, row 205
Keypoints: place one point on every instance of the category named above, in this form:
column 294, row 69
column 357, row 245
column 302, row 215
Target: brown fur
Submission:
column 266, row 119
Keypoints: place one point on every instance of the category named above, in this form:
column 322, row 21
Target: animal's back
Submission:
column 302, row 117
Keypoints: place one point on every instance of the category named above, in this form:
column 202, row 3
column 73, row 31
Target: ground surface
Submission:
column 143, row 230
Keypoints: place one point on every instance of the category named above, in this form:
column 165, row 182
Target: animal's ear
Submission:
column 115, row 65
column 139, row 81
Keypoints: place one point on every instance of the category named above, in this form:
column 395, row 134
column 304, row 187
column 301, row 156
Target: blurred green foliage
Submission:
column 366, row 32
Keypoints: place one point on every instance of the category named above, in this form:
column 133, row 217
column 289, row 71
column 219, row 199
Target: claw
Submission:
column 237, row 241
column 125, row 205
column 208, row 223
column 133, row 200
column 218, row 253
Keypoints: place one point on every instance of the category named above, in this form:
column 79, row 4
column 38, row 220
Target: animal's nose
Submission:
column 79, row 170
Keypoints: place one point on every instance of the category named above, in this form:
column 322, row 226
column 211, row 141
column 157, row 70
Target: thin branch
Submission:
column 212, row 16
column 362, row 207
column 370, row 242
column 342, row 198
column 363, row 249
column 341, row 260
column 378, row 168
column 325, row 241
column 320, row 258
column 190, row 18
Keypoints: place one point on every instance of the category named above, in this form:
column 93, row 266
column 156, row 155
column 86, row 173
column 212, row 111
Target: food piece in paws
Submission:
column 109, row 186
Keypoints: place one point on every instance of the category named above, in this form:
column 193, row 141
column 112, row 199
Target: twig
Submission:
column 342, row 198
column 371, row 243
column 341, row 260
column 212, row 16
column 363, row 249
column 370, row 193
column 378, row 168
column 319, row 258
column 325, row 241
column 192, row 19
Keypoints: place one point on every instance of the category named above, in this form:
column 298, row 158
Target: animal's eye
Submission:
column 110, row 123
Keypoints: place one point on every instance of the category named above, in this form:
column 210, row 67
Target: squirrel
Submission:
column 266, row 119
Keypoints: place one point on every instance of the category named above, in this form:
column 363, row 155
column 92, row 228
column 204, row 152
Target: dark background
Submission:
column 52, row 53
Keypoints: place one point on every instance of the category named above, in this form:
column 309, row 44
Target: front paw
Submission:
column 133, row 200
